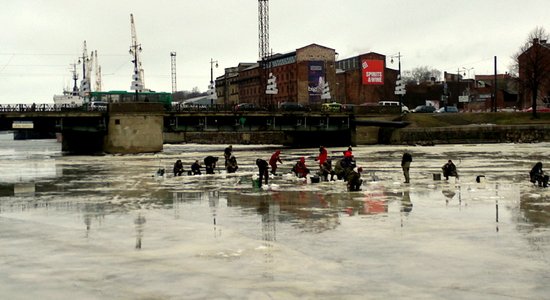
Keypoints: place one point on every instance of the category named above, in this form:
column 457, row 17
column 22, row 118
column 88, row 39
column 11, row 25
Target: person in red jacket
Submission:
column 323, row 155
column 300, row 168
column 273, row 161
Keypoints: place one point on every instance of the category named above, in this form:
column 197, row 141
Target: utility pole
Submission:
column 495, row 88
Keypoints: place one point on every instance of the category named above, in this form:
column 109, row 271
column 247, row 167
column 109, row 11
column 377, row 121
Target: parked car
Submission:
column 292, row 106
column 450, row 109
column 404, row 108
column 247, row 107
column 332, row 107
column 424, row 109
column 98, row 106
column 541, row 109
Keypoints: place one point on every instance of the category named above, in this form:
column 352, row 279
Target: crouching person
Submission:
column 537, row 175
column 178, row 168
column 325, row 170
column 354, row 180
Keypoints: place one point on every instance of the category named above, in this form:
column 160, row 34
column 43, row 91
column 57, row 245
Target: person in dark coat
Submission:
column 405, row 165
column 537, row 175
column 210, row 164
column 262, row 170
column 231, row 165
column 326, row 169
column 449, row 169
column 178, row 168
column 354, row 180
column 196, row 168
column 227, row 154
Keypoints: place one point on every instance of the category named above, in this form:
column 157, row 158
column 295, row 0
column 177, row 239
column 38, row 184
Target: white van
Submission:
column 404, row 109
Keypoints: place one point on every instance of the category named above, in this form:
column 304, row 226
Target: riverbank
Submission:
column 468, row 128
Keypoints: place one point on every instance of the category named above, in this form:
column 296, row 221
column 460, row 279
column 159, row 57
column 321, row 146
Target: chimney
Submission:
column 535, row 41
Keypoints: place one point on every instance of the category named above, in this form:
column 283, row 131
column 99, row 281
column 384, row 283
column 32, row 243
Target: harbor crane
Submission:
column 138, row 82
column 86, row 72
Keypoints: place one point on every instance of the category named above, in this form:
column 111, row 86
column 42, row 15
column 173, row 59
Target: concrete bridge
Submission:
column 145, row 127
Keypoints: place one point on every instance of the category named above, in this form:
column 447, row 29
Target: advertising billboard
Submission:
column 316, row 78
column 372, row 71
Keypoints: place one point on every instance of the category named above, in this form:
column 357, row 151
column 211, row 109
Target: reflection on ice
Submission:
column 214, row 236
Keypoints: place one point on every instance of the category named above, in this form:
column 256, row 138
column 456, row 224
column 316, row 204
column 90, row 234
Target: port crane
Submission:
column 138, row 82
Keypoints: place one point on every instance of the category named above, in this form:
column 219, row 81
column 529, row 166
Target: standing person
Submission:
column 354, row 180
column 227, row 154
column 323, row 155
column 300, row 168
column 537, row 175
column 406, row 164
column 178, row 168
column 262, row 170
column 196, row 168
column 449, row 169
column 273, row 161
column 210, row 164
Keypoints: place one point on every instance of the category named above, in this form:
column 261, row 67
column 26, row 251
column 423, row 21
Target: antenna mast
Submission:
column 173, row 59
column 138, row 83
column 97, row 73
column 263, row 28
column 75, row 80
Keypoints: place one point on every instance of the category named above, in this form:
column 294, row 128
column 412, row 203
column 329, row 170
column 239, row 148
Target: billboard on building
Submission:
column 316, row 78
column 373, row 71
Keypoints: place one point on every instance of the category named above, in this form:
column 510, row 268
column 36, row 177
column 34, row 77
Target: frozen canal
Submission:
column 104, row 227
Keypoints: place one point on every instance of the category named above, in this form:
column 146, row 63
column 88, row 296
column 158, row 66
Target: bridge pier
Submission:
column 126, row 128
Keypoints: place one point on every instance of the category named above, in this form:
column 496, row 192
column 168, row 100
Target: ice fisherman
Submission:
column 210, row 164
column 449, row 169
column 227, row 153
column 406, row 165
column 354, row 180
column 178, row 168
column 345, row 165
column 300, row 168
column 537, row 175
column 326, row 169
column 196, row 168
column 262, row 171
column 323, row 155
column 275, row 157
column 231, row 164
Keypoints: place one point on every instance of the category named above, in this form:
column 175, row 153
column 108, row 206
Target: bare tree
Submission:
column 533, row 65
column 421, row 74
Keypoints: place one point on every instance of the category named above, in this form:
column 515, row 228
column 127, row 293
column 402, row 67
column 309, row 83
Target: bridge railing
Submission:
column 46, row 107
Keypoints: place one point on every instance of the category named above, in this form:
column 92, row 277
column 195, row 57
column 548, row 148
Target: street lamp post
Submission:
column 467, row 70
column 212, row 62
column 398, row 56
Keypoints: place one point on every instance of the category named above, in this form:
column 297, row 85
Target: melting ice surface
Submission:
column 105, row 227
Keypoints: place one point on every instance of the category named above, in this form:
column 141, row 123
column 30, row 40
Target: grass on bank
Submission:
column 462, row 119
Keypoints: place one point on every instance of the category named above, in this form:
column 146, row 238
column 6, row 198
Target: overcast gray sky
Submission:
column 41, row 38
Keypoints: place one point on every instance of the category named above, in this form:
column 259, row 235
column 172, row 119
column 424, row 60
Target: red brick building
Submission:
column 299, row 75
column 365, row 79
